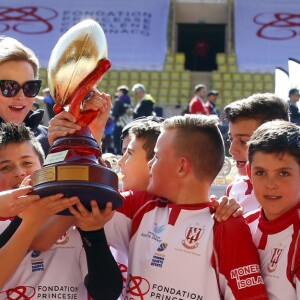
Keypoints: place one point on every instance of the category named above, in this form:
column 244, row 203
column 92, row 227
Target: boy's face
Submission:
column 134, row 166
column 239, row 134
column 275, row 183
column 202, row 93
column 16, row 162
column 15, row 109
column 164, row 166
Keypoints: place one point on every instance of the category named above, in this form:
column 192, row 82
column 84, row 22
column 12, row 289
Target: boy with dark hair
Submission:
column 83, row 253
column 140, row 150
column 244, row 116
column 274, row 169
column 174, row 234
column 125, row 138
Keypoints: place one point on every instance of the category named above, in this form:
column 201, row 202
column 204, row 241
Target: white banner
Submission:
column 282, row 83
column 136, row 30
column 294, row 73
column 267, row 33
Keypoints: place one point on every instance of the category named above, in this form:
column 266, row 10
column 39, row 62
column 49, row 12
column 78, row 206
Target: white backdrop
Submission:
column 136, row 30
column 267, row 34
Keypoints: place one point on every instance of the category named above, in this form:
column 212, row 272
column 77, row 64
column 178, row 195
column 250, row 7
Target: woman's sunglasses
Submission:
column 10, row 88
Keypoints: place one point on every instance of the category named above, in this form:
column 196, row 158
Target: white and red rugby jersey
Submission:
column 181, row 252
column 57, row 273
column 241, row 190
column 278, row 243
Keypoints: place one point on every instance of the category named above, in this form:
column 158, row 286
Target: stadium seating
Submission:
column 233, row 85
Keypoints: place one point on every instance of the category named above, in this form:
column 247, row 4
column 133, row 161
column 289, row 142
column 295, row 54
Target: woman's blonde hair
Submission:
column 13, row 50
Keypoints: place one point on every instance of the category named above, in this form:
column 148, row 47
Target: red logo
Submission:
column 278, row 26
column 138, row 287
column 276, row 254
column 192, row 236
column 62, row 240
column 27, row 19
column 20, row 293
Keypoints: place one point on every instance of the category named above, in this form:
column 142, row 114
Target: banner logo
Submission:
column 278, row 26
column 21, row 19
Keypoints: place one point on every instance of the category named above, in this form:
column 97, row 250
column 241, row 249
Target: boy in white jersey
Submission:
column 35, row 212
column 244, row 116
column 174, row 245
column 79, row 262
column 274, row 169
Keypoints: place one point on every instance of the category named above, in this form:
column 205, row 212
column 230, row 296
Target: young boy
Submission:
column 35, row 212
column 244, row 116
column 274, row 169
column 174, row 245
column 140, row 150
column 79, row 262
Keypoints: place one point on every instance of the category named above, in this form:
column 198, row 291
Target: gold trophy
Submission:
column 74, row 166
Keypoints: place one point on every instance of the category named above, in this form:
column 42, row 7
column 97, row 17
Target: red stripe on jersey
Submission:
column 294, row 254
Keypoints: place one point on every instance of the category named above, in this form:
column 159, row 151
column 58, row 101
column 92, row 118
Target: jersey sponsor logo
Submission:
column 37, row 263
column 158, row 257
column 35, row 253
column 276, row 254
column 162, row 247
column 57, row 292
column 18, row 293
column 162, row 292
column 151, row 235
column 243, row 276
column 158, row 229
column 192, row 236
column 138, row 287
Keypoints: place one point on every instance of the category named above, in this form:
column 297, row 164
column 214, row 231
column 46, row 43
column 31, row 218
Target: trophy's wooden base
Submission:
column 88, row 182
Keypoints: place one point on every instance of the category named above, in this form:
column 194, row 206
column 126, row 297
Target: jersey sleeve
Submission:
column 236, row 261
column 118, row 229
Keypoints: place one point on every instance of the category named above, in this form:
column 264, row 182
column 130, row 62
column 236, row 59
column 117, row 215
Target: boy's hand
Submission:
column 13, row 202
column 225, row 208
column 64, row 123
column 42, row 209
column 98, row 124
column 61, row 125
column 94, row 220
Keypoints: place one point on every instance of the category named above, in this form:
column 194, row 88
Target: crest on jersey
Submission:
column 192, row 236
column 276, row 254
column 62, row 240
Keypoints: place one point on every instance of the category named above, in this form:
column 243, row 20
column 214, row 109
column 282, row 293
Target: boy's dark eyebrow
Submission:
column 5, row 161
column 9, row 160
column 282, row 168
column 239, row 134
column 130, row 149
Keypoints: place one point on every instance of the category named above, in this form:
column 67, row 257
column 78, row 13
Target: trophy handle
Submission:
column 84, row 118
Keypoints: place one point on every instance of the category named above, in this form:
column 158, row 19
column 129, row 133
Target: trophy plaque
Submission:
column 74, row 166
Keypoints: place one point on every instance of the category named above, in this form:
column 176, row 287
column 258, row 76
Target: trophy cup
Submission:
column 73, row 166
